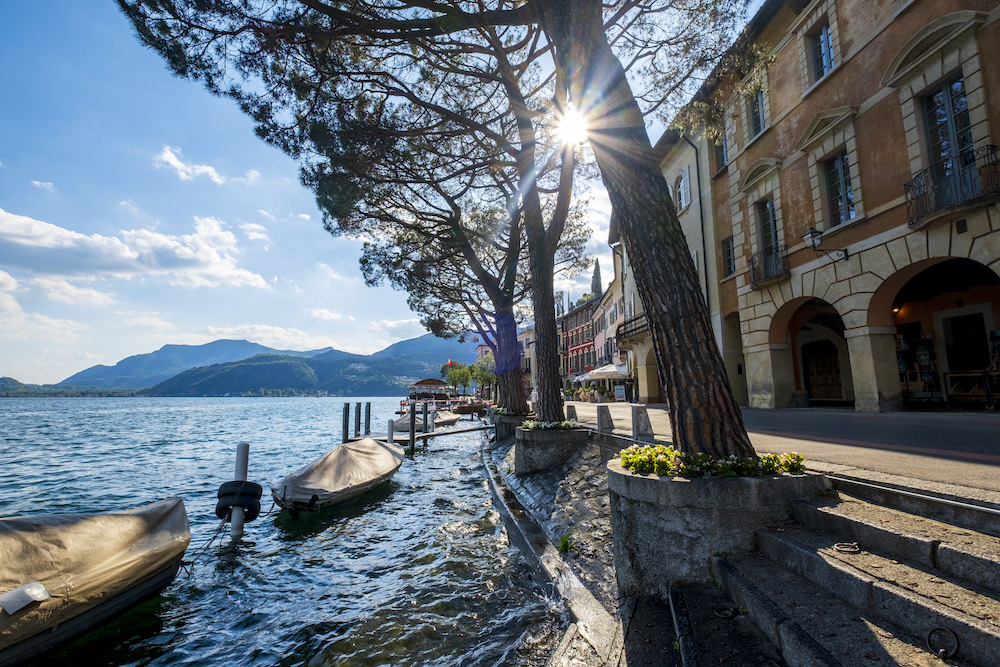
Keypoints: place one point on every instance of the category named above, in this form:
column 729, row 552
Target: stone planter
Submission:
column 666, row 528
column 542, row 449
column 505, row 425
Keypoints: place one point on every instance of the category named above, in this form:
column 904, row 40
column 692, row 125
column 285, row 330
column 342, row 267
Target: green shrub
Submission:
column 666, row 461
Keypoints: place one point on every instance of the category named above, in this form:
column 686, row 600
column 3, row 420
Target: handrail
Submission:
column 973, row 174
column 633, row 326
column 768, row 265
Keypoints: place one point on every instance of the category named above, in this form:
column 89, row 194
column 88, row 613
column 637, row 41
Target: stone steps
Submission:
column 853, row 573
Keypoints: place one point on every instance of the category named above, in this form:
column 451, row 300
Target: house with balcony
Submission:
column 846, row 227
column 578, row 332
column 857, row 197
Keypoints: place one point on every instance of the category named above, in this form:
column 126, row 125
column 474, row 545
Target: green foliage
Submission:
column 669, row 462
column 565, row 543
column 484, row 370
column 459, row 377
column 448, row 367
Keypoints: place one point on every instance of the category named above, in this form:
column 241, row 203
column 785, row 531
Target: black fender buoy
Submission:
column 239, row 494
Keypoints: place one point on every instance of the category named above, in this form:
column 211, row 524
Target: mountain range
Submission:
column 239, row 367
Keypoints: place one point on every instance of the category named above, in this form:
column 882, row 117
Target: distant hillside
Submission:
column 429, row 347
column 335, row 372
column 144, row 370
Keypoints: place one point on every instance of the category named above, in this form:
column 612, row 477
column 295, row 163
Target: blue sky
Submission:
column 137, row 210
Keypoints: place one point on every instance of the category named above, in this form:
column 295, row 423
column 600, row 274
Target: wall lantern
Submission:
column 814, row 237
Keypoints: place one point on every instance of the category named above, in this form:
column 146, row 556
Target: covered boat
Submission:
column 346, row 472
column 63, row 574
column 402, row 425
column 444, row 418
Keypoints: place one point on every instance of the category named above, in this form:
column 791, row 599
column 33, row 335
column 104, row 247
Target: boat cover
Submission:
column 82, row 560
column 402, row 425
column 348, row 470
column 445, row 418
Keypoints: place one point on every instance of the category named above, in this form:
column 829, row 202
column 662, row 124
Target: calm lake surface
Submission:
column 418, row 574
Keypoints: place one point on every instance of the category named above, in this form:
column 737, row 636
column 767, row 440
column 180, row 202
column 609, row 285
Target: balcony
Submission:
column 631, row 328
column 768, row 266
column 970, row 179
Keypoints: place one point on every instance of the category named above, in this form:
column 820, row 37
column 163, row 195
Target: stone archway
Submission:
column 942, row 313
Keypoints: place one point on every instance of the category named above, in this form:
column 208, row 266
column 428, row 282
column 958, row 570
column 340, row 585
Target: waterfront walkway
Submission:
column 956, row 448
column 951, row 454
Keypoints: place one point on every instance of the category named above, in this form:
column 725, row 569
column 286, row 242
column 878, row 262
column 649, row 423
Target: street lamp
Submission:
column 814, row 237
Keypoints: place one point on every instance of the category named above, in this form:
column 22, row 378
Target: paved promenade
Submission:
column 940, row 448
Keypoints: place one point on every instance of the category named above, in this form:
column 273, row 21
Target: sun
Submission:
column 572, row 128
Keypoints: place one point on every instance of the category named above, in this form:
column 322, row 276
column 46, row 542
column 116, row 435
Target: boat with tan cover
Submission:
column 61, row 575
column 346, row 472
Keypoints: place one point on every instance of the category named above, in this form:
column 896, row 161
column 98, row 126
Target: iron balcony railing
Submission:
column 970, row 176
column 633, row 326
column 768, row 266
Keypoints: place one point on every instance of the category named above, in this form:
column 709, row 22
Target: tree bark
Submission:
column 510, row 387
column 703, row 413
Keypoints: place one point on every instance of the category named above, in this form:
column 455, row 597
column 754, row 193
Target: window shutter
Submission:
column 685, row 193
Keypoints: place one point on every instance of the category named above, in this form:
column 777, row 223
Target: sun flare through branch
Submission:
column 572, row 127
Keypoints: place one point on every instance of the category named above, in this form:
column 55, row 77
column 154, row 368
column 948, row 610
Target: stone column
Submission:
column 770, row 376
column 873, row 364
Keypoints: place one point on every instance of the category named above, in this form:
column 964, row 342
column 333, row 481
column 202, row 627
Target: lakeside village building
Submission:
column 846, row 227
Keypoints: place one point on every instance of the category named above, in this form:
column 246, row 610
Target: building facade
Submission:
column 856, row 204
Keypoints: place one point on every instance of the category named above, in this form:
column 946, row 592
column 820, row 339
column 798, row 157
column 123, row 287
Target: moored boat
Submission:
column 445, row 418
column 346, row 472
column 61, row 575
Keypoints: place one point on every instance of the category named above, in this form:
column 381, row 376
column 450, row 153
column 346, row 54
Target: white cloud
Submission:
column 204, row 258
column 266, row 214
column 44, row 185
column 129, row 206
column 400, row 329
column 187, row 171
column 145, row 321
column 330, row 272
column 325, row 314
column 271, row 336
column 255, row 232
column 305, row 216
column 58, row 289
column 15, row 324
column 7, row 282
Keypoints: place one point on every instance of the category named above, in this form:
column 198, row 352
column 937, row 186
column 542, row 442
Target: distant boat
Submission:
column 61, row 575
column 470, row 409
column 402, row 425
column 444, row 418
column 346, row 472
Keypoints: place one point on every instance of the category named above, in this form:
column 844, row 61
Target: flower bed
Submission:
column 564, row 425
column 666, row 461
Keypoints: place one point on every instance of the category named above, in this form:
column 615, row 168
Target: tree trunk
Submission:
column 703, row 413
column 510, row 387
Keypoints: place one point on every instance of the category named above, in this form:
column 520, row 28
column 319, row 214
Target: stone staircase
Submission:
column 875, row 575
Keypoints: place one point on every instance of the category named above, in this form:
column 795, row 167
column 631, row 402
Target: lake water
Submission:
column 420, row 573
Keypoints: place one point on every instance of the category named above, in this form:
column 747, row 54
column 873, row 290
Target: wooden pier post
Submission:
column 368, row 418
column 390, row 429
column 413, row 427
column 357, row 419
column 425, row 418
column 347, row 421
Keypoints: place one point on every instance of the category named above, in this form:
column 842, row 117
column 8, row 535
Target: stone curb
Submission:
column 796, row 645
column 682, row 627
column 599, row 628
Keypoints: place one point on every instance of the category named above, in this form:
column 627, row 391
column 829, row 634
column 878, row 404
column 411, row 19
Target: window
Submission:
column 682, row 189
column 728, row 257
column 840, row 195
column 949, row 138
column 822, row 52
column 768, row 226
column 721, row 157
column 755, row 112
